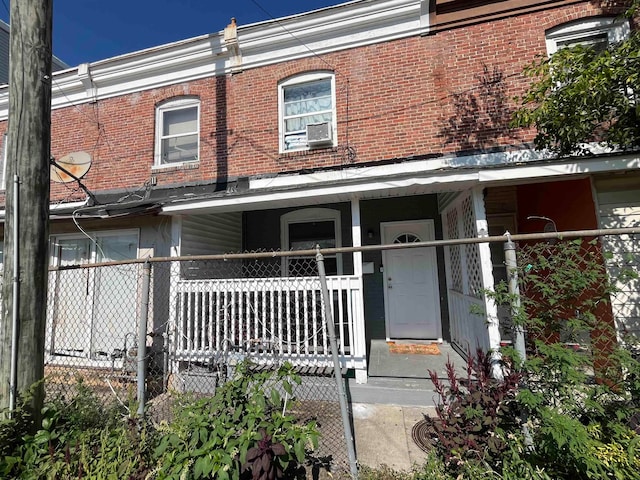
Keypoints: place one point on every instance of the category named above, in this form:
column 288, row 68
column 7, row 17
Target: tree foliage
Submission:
column 580, row 95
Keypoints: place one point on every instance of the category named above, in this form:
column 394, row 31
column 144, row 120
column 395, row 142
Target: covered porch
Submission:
column 275, row 309
column 271, row 308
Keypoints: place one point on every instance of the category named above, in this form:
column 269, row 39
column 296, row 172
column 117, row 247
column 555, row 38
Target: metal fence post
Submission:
column 514, row 292
column 142, row 336
column 511, row 263
column 342, row 397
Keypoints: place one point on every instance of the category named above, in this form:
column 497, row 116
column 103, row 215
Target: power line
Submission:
column 294, row 36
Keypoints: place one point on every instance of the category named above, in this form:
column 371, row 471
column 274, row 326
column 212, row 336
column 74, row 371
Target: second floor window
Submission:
column 594, row 32
column 305, row 100
column 177, row 131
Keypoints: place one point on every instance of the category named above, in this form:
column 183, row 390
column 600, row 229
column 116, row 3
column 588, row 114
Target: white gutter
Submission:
column 453, row 181
column 443, row 174
column 55, row 207
column 560, row 168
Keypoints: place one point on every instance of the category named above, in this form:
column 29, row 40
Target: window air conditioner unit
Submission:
column 319, row 134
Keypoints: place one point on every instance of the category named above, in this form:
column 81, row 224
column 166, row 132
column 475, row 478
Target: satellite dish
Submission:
column 76, row 164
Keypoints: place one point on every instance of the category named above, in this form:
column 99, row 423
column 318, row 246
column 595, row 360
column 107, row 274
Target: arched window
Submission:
column 596, row 31
column 177, row 131
column 307, row 110
column 407, row 238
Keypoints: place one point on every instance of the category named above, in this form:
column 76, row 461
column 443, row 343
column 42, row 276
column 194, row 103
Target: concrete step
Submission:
column 407, row 392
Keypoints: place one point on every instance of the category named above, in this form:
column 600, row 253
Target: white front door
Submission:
column 412, row 295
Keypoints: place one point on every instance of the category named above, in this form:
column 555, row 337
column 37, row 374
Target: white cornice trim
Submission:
column 409, row 167
column 349, row 25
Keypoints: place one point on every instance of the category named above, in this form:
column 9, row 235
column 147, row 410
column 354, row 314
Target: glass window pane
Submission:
column 598, row 42
column 180, row 149
column 180, row 121
column 303, row 104
column 307, row 97
column 115, row 248
column 292, row 142
column 74, row 251
column 115, row 294
column 300, row 123
column 307, row 106
column 309, row 234
column 315, row 89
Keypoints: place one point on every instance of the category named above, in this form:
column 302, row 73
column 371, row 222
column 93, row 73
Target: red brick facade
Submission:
column 430, row 95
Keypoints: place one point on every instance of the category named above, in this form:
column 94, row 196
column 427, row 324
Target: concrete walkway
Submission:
column 397, row 395
column 383, row 434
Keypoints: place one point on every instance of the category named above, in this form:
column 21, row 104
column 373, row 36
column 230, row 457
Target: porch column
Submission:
column 359, row 341
column 482, row 229
column 174, row 278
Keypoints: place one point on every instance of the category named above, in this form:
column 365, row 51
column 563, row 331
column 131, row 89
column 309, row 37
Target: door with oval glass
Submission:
column 412, row 294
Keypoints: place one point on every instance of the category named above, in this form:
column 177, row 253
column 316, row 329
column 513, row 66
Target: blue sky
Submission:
column 91, row 30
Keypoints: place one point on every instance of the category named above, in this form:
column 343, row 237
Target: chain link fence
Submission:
column 203, row 315
column 577, row 293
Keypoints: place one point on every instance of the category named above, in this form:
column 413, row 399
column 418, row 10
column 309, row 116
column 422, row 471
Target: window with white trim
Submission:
column 598, row 32
column 304, row 100
column 92, row 312
column 177, row 131
column 303, row 230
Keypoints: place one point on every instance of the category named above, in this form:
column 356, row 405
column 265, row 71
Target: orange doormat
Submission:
column 415, row 348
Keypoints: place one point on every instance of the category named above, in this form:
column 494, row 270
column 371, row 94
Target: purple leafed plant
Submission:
column 471, row 410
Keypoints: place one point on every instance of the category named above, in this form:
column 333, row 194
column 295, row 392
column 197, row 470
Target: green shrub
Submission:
column 578, row 402
column 84, row 438
column 210, row 437
column 81, row 437
column 564, row 412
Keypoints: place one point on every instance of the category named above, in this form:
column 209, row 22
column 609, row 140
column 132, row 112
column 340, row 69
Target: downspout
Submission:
column 13, row 385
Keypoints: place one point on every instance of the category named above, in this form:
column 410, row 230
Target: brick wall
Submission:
column 430, row 95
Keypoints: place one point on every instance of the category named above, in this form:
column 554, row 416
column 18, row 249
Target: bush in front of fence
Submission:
column 574, row 412
column 208, row 437
column 80, row 437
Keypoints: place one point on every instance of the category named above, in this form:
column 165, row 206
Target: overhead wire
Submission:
column 102, row 134
column 291, row 34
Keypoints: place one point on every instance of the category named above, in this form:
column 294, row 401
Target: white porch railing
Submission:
column 268, row 319
column 468, row 329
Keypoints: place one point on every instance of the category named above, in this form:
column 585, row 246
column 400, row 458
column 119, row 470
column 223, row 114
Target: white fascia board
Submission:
column 452, row 173
column 408, row 167
column 453, row 180
column 61, row 206
column 353, row 25
column 188, row 60
column 559, row 168
column 54, row 207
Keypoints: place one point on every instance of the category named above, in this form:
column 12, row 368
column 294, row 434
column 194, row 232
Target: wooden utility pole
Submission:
column 27, row 216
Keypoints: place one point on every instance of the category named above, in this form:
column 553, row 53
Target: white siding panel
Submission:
column 212, row 233
column 619, row 207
